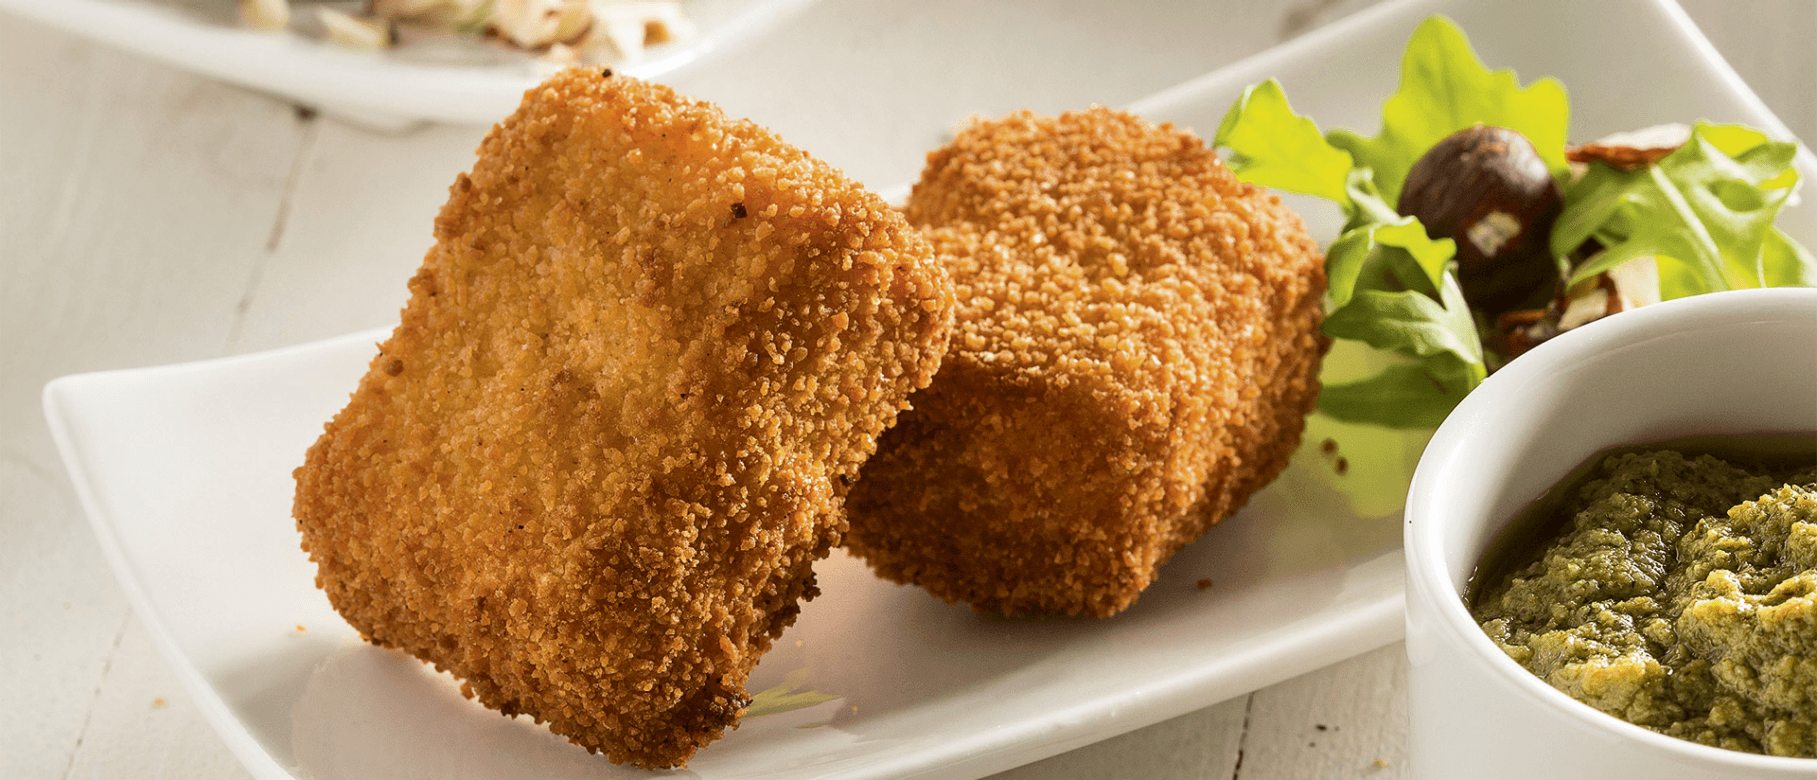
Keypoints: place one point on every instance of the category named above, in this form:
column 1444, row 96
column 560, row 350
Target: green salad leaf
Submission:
column 1705, row 213
column 1446, row 88
column 1410, row 323
column 1787, row 263
column 1390, row 284
column 1400, row 396
column 1282, row 149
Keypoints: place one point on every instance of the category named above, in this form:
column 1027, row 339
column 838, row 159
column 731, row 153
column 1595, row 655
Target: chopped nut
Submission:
column 1631, row 285
column 1582, row 309
column 1636, row 282
column 1634, row 150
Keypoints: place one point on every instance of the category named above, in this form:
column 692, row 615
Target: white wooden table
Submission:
column 148, row 216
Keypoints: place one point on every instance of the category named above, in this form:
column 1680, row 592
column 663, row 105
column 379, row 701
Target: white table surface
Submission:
column 149, row 216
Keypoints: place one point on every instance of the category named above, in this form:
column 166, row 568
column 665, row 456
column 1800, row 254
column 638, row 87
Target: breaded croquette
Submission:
column 1136, row 347
column 589, row 472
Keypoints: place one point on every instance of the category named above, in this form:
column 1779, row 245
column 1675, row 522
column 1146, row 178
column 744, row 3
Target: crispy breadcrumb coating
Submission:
column 1136, row 347
column 590, row 470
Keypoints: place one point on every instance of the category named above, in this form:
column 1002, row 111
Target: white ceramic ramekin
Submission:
column 1727, row 363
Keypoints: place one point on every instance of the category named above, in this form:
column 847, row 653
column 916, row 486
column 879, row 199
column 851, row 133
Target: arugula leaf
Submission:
column 1411, row 323
column 1432, row 256
column 1786, row 263
column 1275, row 147
column 1401, row 396
column 1344, row 263
column 1446, row 88
column 1706, row 211
column 1438, row 333
column 1366, row 202
column 1388, row 255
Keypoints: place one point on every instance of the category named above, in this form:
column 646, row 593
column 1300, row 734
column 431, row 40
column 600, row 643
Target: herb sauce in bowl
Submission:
column 1674, row 586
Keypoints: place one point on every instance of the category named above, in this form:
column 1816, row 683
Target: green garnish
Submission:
column 786, row 697
column 1272, row 146
column 1705, row 212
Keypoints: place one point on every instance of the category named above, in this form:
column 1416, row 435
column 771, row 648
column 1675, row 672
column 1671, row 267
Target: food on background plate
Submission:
column 1667, row 223
column 1674, row 590
column 589, row 472
column 1136, row 348
column 563, row 32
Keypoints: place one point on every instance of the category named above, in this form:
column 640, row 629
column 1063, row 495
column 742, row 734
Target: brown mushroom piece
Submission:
column 1487, row 188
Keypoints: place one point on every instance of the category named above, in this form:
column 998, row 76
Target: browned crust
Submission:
column 1136, row 347
column 590, row 470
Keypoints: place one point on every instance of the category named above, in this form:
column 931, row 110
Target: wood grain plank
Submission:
column 143, row 725
column 135, row 198
column 1348, row 720
column 1195, row 746
column 360, row 216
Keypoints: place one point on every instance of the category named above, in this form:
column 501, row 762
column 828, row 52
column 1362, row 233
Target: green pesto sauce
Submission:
column 1679, row 594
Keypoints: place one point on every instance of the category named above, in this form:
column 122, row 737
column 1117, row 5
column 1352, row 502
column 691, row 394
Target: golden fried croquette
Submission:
column 1136, row 347
column 590, row 470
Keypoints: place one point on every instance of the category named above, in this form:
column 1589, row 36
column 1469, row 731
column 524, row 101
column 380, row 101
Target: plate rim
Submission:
column 1380, row 622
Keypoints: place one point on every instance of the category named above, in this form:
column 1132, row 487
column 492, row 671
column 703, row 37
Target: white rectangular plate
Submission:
column 447, row 81
column 185, row 473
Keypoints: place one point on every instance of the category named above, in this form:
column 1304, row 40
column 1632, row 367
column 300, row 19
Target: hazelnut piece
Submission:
column 1488, row 189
